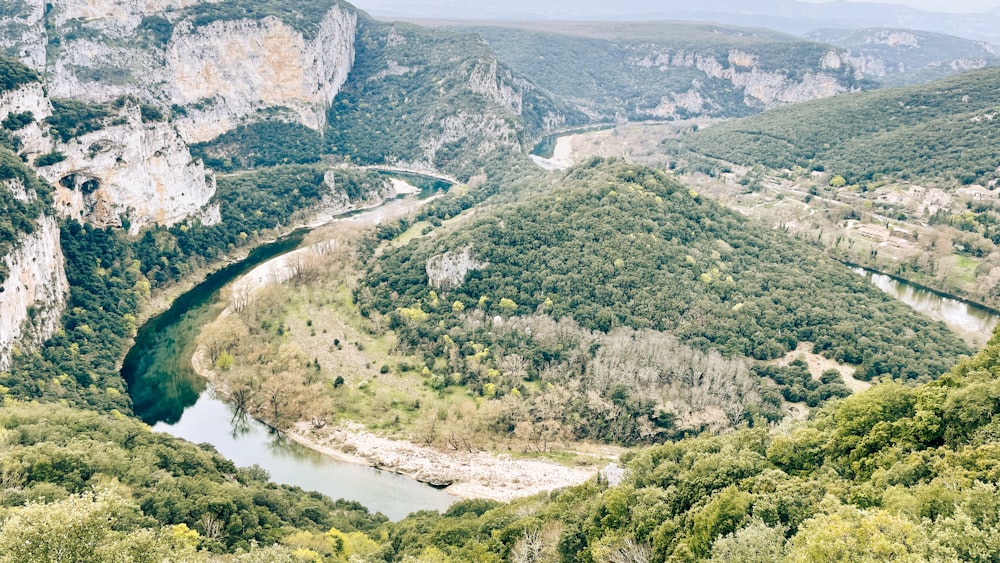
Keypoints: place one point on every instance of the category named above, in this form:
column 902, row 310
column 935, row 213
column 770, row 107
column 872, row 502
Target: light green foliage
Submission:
column 86, row 528
column 718, row 498
column 939, row 130
column 165, row 490
column 754, row 543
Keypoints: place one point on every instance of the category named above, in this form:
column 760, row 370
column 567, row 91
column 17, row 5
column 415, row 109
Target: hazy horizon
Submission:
column 416, row 8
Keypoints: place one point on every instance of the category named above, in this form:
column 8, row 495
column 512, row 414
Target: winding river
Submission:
column 169, row 395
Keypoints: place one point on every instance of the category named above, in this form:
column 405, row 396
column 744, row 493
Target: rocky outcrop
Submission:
column 448, row 270
column 140, row 172
column 761, row 88
column 501, row 89
column 218, row 75
column 23, row 31
column 33, row 293
column 229, row 70
column 29, row 98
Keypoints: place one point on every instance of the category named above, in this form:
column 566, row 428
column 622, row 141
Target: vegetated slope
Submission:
column 895, row 57
column 156, row 496
column 111, row 276
column 893, row 473
column 664, row 70
column 944, row 129
column 619, row 245
column 434, row 98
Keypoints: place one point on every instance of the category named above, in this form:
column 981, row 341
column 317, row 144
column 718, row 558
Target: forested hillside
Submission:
column 891, row 474
column 943, row 129
column 614, row 245
column 436, row 98
column 83, row 486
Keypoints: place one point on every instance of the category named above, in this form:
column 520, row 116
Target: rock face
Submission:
column 219, row 75
column 33, row 295
column 229, row 70
column 22, row 31
column 140, row 171
column 29, row 98
column 896, row 57
column 448, row 270
column 761, row 88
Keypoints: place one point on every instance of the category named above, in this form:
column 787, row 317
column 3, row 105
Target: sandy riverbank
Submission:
column 467, row 474
column 470, row 474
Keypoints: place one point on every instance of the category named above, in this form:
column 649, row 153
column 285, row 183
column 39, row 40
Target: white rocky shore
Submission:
column 466, row 474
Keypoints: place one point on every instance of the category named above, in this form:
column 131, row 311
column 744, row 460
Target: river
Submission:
column 972, row 322
column 168, row 394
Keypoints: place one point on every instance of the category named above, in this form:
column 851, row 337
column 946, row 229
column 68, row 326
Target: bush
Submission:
column 49, row 159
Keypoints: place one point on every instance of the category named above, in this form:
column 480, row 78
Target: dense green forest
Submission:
column 14, row 74
column 943, row 129
column 891, row 474
column 604, row 69
column 266, row 143
column 79, row 486
column 621, row 245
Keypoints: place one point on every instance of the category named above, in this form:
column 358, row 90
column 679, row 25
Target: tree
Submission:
column 838, row 181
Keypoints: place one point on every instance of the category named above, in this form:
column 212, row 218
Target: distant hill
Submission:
column 943, row 129
column 789, row 16
column 669, row 70
column 897, row 57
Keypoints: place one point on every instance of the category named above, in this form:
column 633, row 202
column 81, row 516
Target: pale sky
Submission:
column 972, row 6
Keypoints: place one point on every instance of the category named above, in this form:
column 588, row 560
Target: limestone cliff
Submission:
column 139, row 171
column 761, row 88
column 31, row 98
column 33, row 294
column 900, row 56
column 213, row 75
column 22, row 31
column 229, row 70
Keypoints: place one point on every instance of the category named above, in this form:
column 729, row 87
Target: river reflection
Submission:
column 973, row 323
column 168, row 394
column 247, row 442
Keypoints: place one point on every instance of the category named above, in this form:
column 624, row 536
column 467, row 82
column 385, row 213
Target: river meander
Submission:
column 169, row 395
